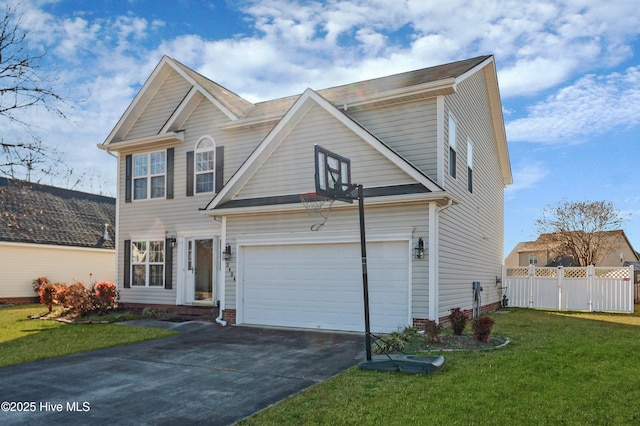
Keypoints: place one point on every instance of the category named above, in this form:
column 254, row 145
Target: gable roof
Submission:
column 546, row 242
column 41, row 214
column 232, row 105
column 273, row 139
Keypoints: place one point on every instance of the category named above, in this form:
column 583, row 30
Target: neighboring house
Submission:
column 53, row 232
column 209, row 209
column 544, row 252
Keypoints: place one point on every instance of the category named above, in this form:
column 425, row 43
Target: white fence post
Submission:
column 532, row 274
column 591, row 274
column 560, row 277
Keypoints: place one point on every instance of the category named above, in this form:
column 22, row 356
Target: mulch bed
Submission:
column 466, row 342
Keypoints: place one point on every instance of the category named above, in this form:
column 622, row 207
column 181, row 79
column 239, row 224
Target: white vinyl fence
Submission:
column 606, row 289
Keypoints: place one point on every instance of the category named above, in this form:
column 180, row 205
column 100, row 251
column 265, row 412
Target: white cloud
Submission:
column 289, row 45
column 526, row 175
column 593, row 105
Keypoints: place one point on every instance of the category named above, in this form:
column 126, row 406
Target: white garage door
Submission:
column 320, row 286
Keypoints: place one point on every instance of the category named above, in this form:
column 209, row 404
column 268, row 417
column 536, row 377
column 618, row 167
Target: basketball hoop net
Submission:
column 314, row 203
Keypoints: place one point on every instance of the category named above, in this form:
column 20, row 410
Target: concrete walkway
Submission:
column 206, row 375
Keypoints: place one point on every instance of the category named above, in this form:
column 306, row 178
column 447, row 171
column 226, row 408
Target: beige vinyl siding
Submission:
column 343, row 219
column 408, row 128
column 22, row 263
column 160, row 107
column 291, row 166
column 472, row 231
column 162, row 217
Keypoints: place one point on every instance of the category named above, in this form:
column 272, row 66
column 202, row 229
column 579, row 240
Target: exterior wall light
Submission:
column 172, row 241
column 420, row 249
column 226, row 254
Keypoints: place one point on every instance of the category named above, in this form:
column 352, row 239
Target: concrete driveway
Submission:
column 208, row 374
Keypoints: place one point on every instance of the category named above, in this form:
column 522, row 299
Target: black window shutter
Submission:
column 128, row 173
column 219, row 168
column 168, row 264
column 170, row 173
column 190, row 174
column 127, row 264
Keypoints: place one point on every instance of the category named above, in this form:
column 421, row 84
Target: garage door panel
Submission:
column 320, row 286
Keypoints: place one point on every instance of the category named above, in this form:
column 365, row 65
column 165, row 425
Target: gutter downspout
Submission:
column 434, row 274
column 221, row 276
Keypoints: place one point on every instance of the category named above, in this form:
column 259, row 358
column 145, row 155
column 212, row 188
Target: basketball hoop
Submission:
column 314, row 203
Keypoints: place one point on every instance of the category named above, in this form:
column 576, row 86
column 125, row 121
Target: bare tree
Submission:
column 579, row 229
column 22, row 83
column 23, row 86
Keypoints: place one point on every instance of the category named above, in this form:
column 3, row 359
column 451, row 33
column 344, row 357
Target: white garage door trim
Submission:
column 398, row 235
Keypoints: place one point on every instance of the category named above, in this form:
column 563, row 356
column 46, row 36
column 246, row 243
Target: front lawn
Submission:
column 24, row 340
column 570, row 369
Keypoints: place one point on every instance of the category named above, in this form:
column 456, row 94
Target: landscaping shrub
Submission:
column 481, row 327
column 48, row 293
column 38, row 282
column 432, row 330
column 458, row 320
column 76, row 299
column 396, row 341
column 105, row 294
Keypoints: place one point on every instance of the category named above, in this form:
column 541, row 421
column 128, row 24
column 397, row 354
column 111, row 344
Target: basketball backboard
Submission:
column 333, row 175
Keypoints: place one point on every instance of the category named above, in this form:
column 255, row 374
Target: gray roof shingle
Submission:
column 41, row 214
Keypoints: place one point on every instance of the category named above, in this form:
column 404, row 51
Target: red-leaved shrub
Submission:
column 105, row 294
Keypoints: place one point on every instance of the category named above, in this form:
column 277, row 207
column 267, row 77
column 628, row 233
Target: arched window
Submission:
column 204, row 165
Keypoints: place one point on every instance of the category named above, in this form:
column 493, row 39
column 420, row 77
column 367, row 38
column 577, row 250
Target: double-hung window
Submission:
column 205, row 161
column 149, row 175
column 147, row 263
column 452, row 146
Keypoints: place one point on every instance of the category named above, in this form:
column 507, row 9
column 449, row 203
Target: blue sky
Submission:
column 569, row 74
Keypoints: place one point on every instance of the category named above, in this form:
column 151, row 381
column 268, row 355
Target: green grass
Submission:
column 25, row 340
column 559, row 369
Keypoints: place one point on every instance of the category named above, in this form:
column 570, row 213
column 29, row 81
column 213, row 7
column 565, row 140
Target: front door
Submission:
column 200, row 253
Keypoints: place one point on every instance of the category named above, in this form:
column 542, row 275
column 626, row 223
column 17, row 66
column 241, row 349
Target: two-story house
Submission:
column 614, row 247
column 210, row 185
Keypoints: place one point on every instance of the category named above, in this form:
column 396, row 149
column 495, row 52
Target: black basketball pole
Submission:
column 365, row 278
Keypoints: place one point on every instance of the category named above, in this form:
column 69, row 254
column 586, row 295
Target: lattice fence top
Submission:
column 602, row 272
column 547, row 272
column 517, row 272
column 575, row 272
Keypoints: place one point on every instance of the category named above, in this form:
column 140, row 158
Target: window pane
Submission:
column 452, row 133
column 204, row 161
column 204, row 182
column 452, row 162
column 156, row 275
column 205, row 143
column 139, row 165
column 140, row 189
column 139, row 276
column 138, row 251
column 157, row 187
column 156, row 251
column 157, row 163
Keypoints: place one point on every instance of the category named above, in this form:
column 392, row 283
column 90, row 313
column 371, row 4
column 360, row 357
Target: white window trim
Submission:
column 195, row 165
column 147, row 263
column 148, row 176
column 453, row 146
